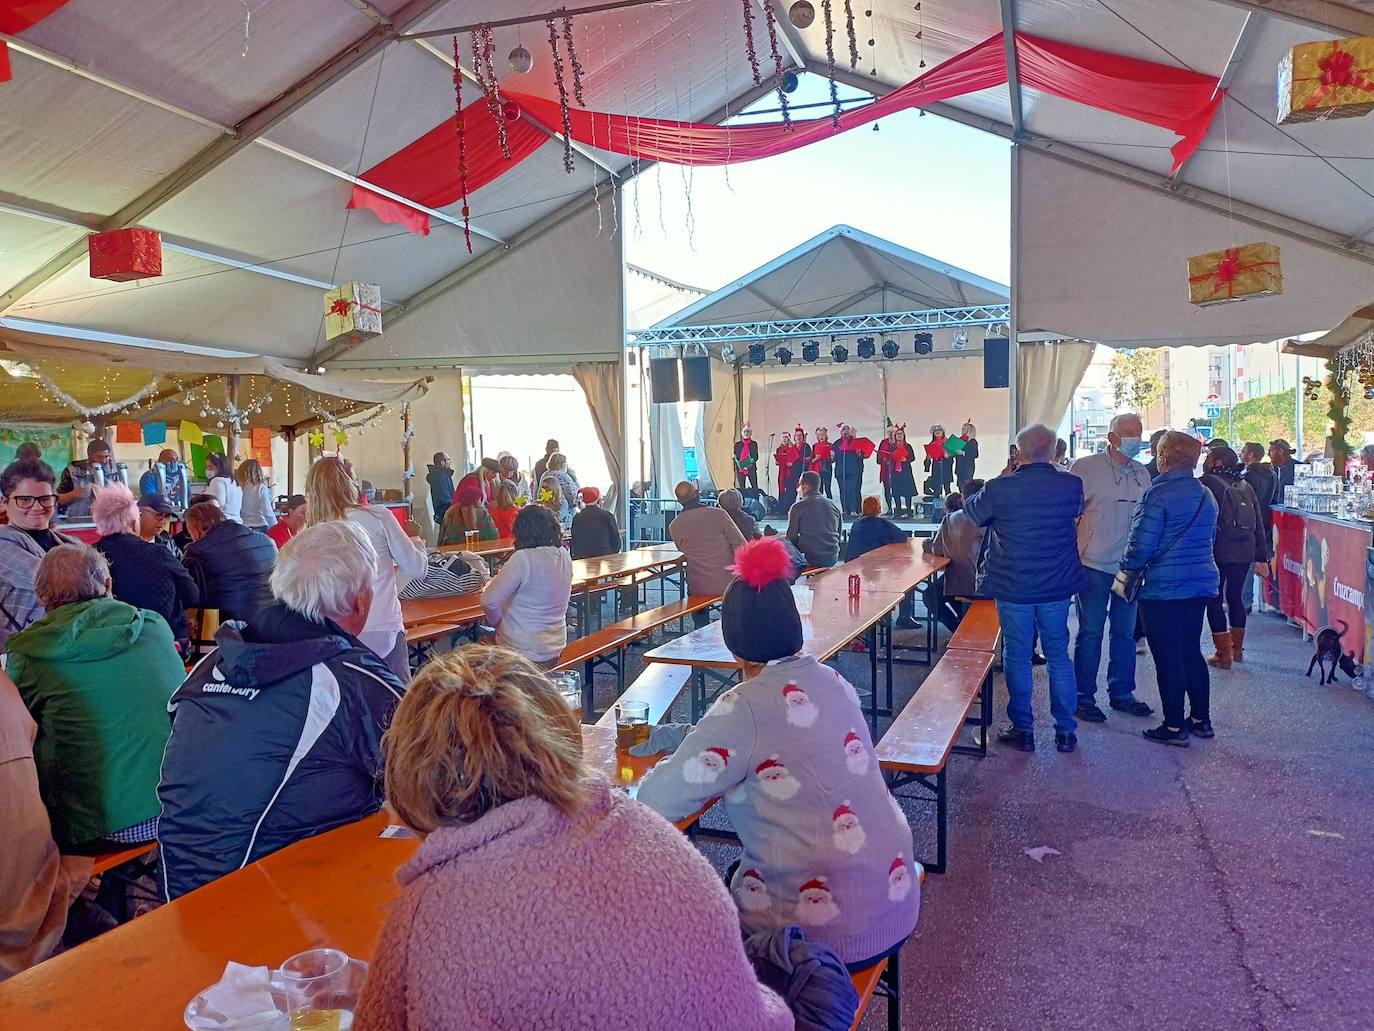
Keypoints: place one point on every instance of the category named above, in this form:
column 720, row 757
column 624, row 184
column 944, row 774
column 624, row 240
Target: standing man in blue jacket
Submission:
column 276, row 734
column 1031, row 568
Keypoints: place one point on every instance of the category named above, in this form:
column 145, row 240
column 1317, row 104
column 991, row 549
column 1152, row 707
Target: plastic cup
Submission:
column 569, row 685
column 322, row 987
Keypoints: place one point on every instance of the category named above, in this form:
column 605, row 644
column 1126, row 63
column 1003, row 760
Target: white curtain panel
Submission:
column 600, row 381
column 1047, row 374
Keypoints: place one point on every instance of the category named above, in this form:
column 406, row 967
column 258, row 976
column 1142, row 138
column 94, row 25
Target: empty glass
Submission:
column 569, row 685
column 322, row 987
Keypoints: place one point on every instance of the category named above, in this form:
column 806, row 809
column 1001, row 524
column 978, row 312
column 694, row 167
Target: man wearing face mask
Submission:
column 1113, row 483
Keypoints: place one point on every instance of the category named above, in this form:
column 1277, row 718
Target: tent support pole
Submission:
column 290, row 436
column 232, row 390
column 405, row 453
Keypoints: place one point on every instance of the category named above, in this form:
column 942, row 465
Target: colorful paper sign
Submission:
column 154, row 433
column 128, row 433
column 198, row 454
column 262, row 438
column 263, row 456
column 190, row 433
column 213, row 444
column 54, row 446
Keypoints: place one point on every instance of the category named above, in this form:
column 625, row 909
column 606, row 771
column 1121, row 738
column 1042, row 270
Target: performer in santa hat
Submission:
column 803, row 462
column 823, row 460
column 746, row 459
column 815, row 820
column 788, row 458
column 851, row 453
column 939, row 462
column 885, row 451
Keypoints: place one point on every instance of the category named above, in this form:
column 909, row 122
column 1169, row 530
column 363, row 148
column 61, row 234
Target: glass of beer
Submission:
column 472, row 537
column 569, row 684
column 322, row 987
column 631, row 724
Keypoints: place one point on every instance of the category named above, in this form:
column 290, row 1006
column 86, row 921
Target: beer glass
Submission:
column 631, row 724
column 569, row 685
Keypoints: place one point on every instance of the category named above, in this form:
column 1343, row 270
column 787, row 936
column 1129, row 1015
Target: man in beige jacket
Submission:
column 707, row 537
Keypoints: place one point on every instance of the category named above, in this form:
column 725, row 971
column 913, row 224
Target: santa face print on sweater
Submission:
column 774, row 779
column 706, row 766
column 898, row 880
column 801, row 710
column 847, row 833
column 751, row 894
column 724, row 705
column 855, row 754
column 816, row 904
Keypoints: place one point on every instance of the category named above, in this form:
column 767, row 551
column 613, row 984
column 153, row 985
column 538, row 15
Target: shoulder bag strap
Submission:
column 1202, row 501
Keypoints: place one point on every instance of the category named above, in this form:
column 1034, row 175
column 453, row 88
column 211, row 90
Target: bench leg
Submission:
column 941, row 822
column 892, row 978
column 589, row 691
column 887, row 658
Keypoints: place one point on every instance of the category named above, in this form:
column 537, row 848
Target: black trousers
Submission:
column 950, row 611
column 751, row 477
column 849, row 492
column 1173, row 630
column 827, row 475
column 1233, row 576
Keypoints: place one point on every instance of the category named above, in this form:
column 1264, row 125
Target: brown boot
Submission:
column 1238, row 644
column 1222, row 659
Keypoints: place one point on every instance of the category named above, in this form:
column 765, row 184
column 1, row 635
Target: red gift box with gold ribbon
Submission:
column 1235, row 274
column 1331, row 78
column 123, row 255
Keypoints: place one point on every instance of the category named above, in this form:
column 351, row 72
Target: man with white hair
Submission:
column 1031, row 569
column 276, row 734
column 1113, row 484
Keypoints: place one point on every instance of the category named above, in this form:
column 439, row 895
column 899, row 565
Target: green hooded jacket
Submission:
column 97, row 676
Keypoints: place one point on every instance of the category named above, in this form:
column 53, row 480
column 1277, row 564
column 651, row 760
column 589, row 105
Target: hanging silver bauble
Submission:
column 801, row 14
column 88, row 428
column 520, row 60
column 220, row 424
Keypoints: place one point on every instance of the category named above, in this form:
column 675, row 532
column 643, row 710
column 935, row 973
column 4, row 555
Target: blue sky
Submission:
column 924, row 182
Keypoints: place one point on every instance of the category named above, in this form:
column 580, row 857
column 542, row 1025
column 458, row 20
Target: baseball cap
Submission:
column 159, row 504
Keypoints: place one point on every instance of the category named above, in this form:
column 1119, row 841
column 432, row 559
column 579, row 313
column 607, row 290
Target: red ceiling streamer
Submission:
column 15, row 17
column 1176, row 99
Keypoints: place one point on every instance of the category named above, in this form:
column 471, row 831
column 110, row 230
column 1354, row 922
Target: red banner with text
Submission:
column 1320, row 566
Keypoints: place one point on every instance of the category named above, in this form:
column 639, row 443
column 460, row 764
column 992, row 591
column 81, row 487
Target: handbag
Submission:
column 1127, row 583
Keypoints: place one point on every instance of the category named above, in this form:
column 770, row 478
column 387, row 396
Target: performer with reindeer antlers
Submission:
column 939, row 461
column 823, row 460
column 901, row 479
column 850, row 454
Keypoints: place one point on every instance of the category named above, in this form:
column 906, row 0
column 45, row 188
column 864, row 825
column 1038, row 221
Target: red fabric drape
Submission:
column 15, row 17
column 1173, row 98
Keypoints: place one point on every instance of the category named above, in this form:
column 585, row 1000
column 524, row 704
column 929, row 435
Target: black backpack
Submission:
column 1239, row 512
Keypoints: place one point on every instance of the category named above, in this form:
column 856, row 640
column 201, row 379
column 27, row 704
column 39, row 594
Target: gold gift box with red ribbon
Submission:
column 1332, row 78
column 353, row 311
column 1235, row 274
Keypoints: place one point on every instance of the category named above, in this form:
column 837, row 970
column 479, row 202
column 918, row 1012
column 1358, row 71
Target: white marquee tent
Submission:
column 240, row 139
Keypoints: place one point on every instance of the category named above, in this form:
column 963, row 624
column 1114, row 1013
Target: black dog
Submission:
column 1329, row 650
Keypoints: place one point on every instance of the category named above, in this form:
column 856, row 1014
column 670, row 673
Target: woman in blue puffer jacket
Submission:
column 1171, row 539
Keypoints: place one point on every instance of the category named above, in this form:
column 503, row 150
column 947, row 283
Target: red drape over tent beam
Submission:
column 15, row 17
column 1182, row 101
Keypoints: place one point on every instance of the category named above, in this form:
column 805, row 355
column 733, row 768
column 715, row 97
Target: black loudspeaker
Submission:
column 663, row 378
column 696, row 378
column 996, row 353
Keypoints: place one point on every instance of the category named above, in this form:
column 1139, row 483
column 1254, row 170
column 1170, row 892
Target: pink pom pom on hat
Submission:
column 758, row 563
column 758, row 615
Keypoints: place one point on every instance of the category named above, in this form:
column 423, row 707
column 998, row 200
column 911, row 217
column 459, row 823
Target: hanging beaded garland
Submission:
column 461, row 130
column 749, row 40
column 830, row 63
column 853, row 37
column 483, row 50
column 568, row 165
column 778, row 73
column 573, row 59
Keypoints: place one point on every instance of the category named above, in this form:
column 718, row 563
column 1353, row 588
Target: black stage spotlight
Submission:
column 811, row 351
column 840, row 353
column 925, row 343
column 890, row 349
column 866, row 347
column 756, row 354
column 783, row 355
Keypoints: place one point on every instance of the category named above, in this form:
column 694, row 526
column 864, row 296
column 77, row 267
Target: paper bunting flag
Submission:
column 213, row 444
column 154, row 433
column 262, row 438
column 189, row 432
column 128, row 433
column 197, row 461
column 263, row 456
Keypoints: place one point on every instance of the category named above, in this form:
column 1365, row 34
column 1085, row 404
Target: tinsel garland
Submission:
column 230, row 413
column 830, row 63
column 1338, row 411
column 853, row 38
column 573, row 59
column 65, row 399
column 568, row 165
column 771, row 21
column 483, row 50
column 749, row 40
column 462, row 141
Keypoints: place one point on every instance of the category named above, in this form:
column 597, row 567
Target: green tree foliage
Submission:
column 1135, row 379
column 1264, row 418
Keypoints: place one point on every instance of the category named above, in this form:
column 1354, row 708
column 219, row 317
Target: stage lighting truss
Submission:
column 891, row 349
column 756, row 354
column 865, row 347
column 925, row 343
column 783, row 355
column 811, row 350
column 840, row 354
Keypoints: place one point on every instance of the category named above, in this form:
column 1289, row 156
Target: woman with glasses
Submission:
column 30, row 502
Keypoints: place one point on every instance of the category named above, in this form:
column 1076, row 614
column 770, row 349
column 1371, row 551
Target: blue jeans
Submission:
column 1020, row 623
column 1098, row 610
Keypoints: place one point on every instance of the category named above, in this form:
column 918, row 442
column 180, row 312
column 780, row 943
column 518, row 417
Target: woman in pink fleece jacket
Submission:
column 541, row 898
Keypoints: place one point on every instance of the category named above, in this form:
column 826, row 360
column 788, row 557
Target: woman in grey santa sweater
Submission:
column 825, row 845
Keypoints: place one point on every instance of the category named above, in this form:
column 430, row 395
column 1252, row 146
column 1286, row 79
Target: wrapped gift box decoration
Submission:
column 353, row 311
column 1332, row 78
column 1235, row 274
column 123, row 255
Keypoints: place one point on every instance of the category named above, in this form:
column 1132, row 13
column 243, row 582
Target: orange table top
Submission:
column 587, row 571
column 334, row 889
column 457, row 608
column 503, row 546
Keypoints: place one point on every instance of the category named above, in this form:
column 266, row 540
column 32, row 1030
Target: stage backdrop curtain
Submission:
column 665, row 437
column 600, row 381
column 1182, row 101
column 1047, row 374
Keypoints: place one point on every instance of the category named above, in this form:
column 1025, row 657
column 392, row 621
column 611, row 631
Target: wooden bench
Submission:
column 918, row 743
column 979, row 630
column 659, row 685
column 431, row 631
column 108, row 861
column 590, row 651
column 882, row 978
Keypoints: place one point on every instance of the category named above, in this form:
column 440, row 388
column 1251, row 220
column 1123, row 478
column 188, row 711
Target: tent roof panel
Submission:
column 27, row 243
